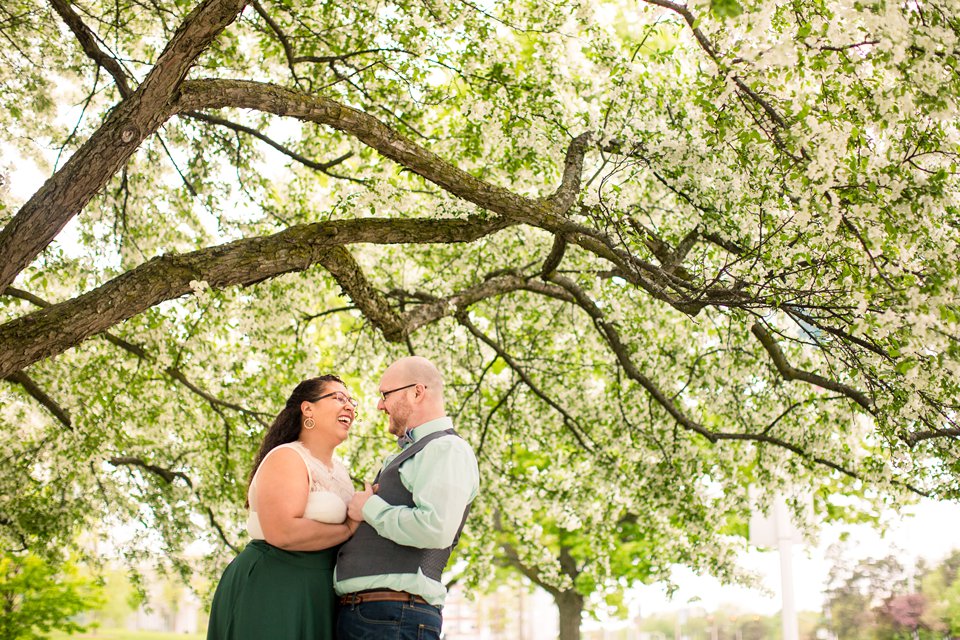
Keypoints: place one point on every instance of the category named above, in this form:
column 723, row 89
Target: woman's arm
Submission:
column 282, row 487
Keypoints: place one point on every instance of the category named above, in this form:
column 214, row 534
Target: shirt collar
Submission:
column 423, row 430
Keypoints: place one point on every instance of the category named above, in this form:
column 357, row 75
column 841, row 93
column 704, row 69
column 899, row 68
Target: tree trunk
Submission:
column 570, row 607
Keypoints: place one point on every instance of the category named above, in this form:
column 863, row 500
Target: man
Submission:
column 388, row 574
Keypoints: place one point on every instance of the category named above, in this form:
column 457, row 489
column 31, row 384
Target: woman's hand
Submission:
column 352, row 525
column 355, row 508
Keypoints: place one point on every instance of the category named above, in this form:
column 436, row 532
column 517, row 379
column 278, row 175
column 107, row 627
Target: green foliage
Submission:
column 786, row 170
column 37, row 596
column 120, row 600
column 940, row 587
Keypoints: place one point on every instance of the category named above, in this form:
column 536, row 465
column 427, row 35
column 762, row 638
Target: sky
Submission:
column 931, row 532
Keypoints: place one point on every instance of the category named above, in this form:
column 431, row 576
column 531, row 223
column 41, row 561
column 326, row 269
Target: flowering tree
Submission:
column 671, row 250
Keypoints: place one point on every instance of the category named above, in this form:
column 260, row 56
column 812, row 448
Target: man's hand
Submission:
column 355, row 508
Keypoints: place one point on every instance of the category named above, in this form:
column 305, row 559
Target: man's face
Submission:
column 395, row 404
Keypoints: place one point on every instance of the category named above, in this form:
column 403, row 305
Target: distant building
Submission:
column 512, row 612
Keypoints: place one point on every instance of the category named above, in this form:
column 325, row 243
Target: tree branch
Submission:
column 40, row 396
column 459, row 301
column 612, row 337
column 323, row 167
column 367, row 298
column 566, row 194
column 790, row 373
column 89, row 43
column 920, row 436
column 544, row 212
column 56, row 328
column 175, row 373
column 569, row 421
column 707, row 46
column 169, row 476
column 346, row 56
column 61, row 197
column 513, row 558
column 281, row 36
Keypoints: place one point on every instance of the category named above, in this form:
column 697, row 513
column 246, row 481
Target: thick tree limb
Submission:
column 554, row 257
column 54, row 329
column 98, row 159
column 931, row 434
column 566, row 194
column 545, row 212
column 368, row 299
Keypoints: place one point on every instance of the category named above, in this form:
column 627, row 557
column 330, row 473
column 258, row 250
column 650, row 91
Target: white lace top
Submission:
column 330, row 491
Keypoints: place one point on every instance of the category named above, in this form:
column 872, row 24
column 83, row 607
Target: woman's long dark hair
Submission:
column 286, row 426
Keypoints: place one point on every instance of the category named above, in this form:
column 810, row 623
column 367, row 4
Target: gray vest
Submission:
column 368, row 553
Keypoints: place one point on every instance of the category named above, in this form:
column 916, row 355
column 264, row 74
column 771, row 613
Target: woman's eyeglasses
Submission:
column 340, row 397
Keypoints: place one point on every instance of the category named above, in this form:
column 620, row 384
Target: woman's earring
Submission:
column 308, row 423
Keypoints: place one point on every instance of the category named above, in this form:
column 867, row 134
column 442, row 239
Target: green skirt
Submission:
column 269, row 593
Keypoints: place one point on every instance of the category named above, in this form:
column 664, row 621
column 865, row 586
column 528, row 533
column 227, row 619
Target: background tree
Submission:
column 856, row 590
column 877, row 598
column 903, row 613
column 679, row 248
column 37, row 597
column 940, row 588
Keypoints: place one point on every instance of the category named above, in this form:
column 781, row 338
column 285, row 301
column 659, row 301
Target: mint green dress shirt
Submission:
column 443, row 479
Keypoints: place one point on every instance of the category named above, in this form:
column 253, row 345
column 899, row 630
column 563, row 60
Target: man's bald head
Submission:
column 413, row 369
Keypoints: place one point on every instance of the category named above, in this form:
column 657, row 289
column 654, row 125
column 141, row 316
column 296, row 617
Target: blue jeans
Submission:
column 388, row 621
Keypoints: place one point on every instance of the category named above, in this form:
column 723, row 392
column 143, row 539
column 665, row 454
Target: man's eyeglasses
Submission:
column 340, row 397
column 384, row 394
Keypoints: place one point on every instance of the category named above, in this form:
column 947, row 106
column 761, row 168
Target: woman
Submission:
column 281, row 584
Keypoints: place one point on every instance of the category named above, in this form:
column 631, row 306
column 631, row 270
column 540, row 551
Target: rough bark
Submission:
column 547, row 212
column 570, row 608
column 569, row 602
column 53, row 329
column 61, row 197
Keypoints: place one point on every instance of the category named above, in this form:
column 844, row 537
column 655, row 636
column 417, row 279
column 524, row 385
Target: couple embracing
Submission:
column 328, row 562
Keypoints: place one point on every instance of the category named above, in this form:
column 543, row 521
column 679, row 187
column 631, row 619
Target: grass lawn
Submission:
column 124, row 634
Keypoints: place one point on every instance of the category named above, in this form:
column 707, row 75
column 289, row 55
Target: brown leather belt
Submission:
column 381, row 596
